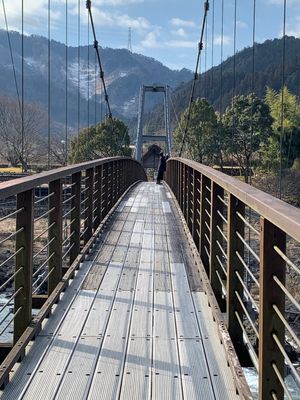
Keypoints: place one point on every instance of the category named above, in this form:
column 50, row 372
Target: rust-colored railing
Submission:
column 248, row 242
column 46, row 221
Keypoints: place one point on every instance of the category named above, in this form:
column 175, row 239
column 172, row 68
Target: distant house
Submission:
column 151, row 158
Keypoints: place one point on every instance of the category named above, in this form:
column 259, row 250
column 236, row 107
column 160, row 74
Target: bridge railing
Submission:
column 249, row 243
column 46, row 220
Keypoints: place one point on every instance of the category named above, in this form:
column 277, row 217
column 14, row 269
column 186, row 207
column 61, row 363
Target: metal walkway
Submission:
column 134, row 322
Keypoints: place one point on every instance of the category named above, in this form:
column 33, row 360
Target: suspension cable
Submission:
column 49, row 84
column 252, row 88
column 96, row 46
column 212, row 47
column 66, row 87
column 221, row 61
column 205, row 63
column 22, row 87
column 11, row 54
column 234, row 83
column 175, row 113
column 88, row 62
column 200, row 48
column 282, row 96
column 95, row 72
column 78, row 69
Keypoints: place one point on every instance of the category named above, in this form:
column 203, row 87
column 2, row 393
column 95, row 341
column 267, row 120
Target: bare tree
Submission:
column 13, row 148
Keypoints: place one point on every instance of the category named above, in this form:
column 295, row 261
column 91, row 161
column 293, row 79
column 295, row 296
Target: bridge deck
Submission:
column 134, row 322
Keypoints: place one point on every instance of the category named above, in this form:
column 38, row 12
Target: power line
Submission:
column 96, row 46
column 200, row 48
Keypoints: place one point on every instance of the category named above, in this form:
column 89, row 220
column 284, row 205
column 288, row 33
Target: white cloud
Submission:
column 182, row 44
column 182, row 23
column 218, row 40
column 179, row 32
column 151, row 41
column 241, row 24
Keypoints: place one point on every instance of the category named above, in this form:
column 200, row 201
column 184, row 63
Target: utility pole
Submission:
column 129, row 46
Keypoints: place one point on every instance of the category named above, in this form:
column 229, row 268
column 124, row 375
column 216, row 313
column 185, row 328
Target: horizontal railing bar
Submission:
column 287, row 358
column 246, row 222
column 69, row 199
column 11, row 299
column 11, row 235
column 67, row 238
column 68, row 251
column 13, row 318
column 222, row 250
column 222, row 233
column 44, row 231
column 11, row 256
column 209, row 216
column 208, row 188
column 208, row 201
column 221, row 265
column 222, row 200
column 207, row 226
column 222, row 283
column 247, row 314
column 68, row 212
column 10, row 279
column 44, row 280
column 69, row 224
column 247, row 246
column 43, row 248
column 12, row 214
column 247, row 291
column 245, row 265
column 252, row 354
column 222, row 216
column 43, row 198
column 44, row 215
column 207, row 252
column 19, row 185
column 43, row 265
column 207, row 238
column 281, row 380
column 287, row 325
column 286, row 292
column 286, row 259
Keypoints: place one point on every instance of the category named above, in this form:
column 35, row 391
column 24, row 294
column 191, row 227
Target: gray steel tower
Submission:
column 141, row 138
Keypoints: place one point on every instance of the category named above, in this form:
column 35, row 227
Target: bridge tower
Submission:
column 141, row 138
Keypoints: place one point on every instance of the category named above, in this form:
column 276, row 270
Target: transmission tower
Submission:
column 129, row 46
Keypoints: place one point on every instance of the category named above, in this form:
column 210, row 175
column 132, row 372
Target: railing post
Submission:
column 88, row 225
column 55, row 234
column 271, row 264
column 24, row 261
column 196, row 207
column 75, row 217
column 98, row 197
column 190, row 200
column 181, row 188
column 234, row 266
column 204, row 221
column 216, row 274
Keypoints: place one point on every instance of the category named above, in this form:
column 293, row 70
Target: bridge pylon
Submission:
column 141, row 138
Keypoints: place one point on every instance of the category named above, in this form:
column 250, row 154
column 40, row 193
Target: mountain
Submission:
column 124, row 73
column 268, row 72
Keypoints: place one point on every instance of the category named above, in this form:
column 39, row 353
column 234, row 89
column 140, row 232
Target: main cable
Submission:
column 22, row 88
column 200, row 48
column 96, row 46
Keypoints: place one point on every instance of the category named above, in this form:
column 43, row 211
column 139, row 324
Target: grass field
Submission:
column 9, row 170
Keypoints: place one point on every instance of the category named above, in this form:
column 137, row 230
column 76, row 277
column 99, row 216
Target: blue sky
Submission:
column 167, row 30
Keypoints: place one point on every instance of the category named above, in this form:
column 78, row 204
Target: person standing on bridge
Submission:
column 162, row 166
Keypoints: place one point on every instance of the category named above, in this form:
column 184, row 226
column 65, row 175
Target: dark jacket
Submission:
column 162, row 166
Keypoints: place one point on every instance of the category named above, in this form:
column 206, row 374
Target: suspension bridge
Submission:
column 120, row 288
